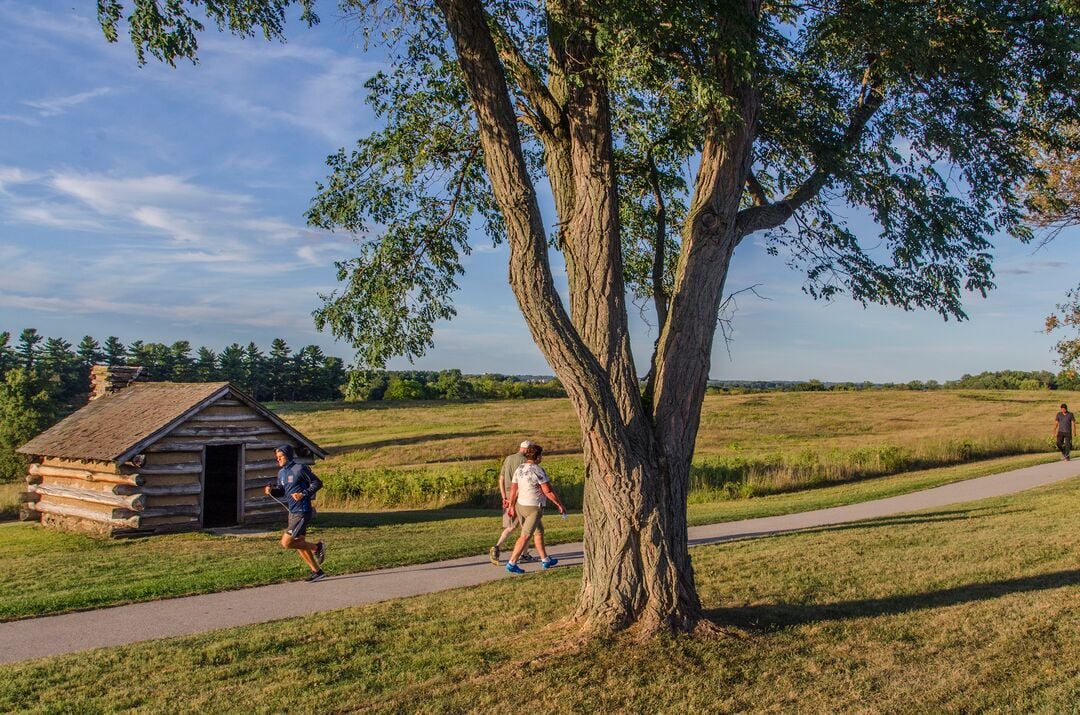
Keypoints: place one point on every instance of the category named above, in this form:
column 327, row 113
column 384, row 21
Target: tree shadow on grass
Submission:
column 358, row 519
column 934, row 517
column 771, row 617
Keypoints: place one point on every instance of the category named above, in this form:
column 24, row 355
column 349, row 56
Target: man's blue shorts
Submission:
column 298, row 523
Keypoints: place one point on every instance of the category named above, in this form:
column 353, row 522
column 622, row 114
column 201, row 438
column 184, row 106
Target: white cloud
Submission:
column 160, row 220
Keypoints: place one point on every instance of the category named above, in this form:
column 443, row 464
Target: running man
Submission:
column 530, row 490
column 297, row 484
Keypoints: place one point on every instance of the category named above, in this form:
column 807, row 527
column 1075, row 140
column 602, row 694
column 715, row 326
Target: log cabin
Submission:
column 147, row 458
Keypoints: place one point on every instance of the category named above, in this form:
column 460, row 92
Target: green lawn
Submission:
column 967, row 608
column 51, row 572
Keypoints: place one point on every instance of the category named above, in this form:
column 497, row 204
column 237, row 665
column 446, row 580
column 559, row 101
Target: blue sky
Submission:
column 164, row 204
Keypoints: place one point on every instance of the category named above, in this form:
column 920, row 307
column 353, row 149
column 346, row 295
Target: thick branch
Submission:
column 771, row 215
column 541, row 103
column 660, row 296
column 530, row 274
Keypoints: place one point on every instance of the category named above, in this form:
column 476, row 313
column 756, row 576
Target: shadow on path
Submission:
column 765, row 618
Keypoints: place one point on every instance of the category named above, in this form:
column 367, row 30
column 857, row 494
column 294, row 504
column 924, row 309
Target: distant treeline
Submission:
column 372, row 385
column 63, row 371
column 999, row 380
column 281, row 374
column 309, row 375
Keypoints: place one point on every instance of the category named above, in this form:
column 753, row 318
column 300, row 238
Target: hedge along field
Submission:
column 424, row 454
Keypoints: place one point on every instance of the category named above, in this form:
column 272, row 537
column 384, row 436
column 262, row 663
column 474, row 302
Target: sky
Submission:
column 162, row 204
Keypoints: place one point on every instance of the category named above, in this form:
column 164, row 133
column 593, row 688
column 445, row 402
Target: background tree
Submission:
column 59, row 363
column 182, row 364
column 277, row 368
column 29, row 340
column 254, row 366
column 1067, row 319
column 135, row 354
column 89, row 354
column 1053, row 195
column 206, row 369
column 231, row 365
column 115, row 352
column 923, row 115
column 307, row 364
column 26, row 408
column 8, row 359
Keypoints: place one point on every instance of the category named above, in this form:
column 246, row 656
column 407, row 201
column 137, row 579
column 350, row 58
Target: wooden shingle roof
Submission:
column 115, row 427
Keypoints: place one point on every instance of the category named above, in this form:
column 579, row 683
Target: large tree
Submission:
column 666, row 134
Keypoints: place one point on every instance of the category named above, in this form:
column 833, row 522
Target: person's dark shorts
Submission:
column 298, row 523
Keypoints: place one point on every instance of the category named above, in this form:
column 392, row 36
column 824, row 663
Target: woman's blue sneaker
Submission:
column 514, row 568
column 548, row 562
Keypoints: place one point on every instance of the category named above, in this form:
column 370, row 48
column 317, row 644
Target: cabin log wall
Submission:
column 162, row 491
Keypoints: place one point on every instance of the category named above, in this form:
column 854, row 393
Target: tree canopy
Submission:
column 667, row 133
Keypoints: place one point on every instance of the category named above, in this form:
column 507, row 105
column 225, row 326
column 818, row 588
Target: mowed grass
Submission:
column 968, row 608
column 48, row 571
column 437, row 454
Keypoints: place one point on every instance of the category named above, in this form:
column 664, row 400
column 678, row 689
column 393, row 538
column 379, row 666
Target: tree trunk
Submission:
column 637, row 568
column 637, row 573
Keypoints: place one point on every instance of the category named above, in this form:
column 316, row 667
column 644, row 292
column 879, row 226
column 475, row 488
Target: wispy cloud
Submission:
column 1028, row 267
column 171, row 219
column 59, row 105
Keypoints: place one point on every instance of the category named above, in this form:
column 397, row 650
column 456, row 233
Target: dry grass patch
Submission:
column 439, row 454
column 9, row 499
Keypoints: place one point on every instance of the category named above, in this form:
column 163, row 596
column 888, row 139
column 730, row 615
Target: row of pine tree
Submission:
column 281, row 374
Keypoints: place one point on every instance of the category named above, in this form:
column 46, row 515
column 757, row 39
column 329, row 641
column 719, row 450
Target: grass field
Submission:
column 430, row 454
column 970, row 608
column 51, row 572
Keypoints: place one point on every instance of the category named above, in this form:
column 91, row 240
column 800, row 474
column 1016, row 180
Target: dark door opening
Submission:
column 221, row 485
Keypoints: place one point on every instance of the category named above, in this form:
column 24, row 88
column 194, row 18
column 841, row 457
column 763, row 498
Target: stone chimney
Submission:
column 107, row 379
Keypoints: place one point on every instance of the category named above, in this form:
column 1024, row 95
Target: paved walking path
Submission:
column 73, row 632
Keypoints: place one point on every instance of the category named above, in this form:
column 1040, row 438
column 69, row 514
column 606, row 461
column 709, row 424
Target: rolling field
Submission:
column 427, row 454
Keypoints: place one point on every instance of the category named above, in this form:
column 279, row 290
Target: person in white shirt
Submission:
column 530, row 490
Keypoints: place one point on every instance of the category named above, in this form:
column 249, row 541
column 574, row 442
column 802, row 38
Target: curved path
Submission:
column 120, row 625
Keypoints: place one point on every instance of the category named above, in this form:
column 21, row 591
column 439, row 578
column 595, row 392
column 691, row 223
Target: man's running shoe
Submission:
column 494, row 555
column 320, row 553
column 315, row 576
column 514, row 568
column 548, row 562
column 526, row 558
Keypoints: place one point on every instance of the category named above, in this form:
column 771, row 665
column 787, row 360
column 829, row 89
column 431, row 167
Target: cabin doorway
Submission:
column 221, row 485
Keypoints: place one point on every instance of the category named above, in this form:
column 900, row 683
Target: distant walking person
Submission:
column 1064, row 430
column 530, row 490
column 297, row 484
column 506, row 474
